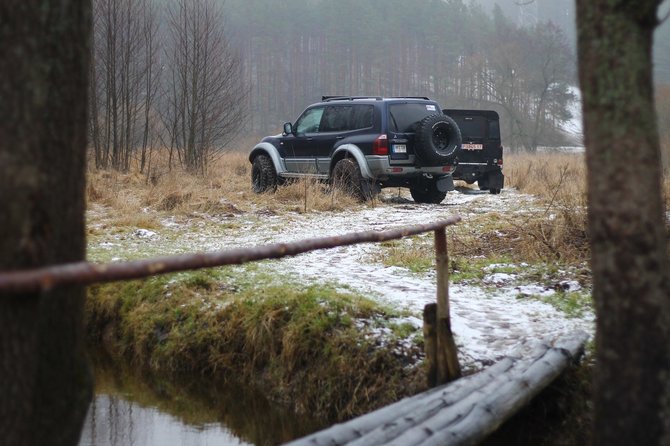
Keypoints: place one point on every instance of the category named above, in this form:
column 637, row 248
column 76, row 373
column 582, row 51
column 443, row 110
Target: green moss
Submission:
column 573, row 304
column 463, row 269
column 403, row 330
column 414, row 253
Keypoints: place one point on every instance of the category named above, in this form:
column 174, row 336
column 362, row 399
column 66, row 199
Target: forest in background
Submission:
column 191, row 75
column 456, row 53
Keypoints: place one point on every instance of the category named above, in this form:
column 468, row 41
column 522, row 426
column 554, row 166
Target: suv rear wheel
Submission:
column 263, row 175
column 347, row 177
column 483, row 183
column 427, row 192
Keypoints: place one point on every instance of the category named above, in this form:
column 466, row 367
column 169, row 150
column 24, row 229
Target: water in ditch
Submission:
column 132, row 409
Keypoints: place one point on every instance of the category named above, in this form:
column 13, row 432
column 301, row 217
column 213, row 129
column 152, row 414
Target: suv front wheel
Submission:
column 427, row 192
column 347, row 177
column 263, row 175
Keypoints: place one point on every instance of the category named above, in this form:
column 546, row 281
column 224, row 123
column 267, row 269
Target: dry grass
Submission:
column 225, row 189
column 549, row 176
column 559, row 230
column 555, row 232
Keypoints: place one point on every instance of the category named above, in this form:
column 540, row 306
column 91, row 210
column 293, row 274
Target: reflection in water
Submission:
column 114, row 421
column 132, row 409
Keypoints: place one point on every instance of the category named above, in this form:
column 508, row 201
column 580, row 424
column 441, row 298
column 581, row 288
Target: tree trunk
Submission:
column 44, row 58
column 626, row 222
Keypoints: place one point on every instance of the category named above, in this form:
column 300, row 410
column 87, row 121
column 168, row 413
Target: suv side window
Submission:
column 335, row 118
column 342, row 118
column 309, row 121
column 361, row 117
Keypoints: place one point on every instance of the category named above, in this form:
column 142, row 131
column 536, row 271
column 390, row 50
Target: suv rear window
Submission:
column 479, row 126
column 473, row 126
column 404, row 118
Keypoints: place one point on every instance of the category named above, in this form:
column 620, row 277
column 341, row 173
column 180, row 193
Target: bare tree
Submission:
column 44, row 56
column 626, row 222
column 151, row 76
column 527, row 72
column 203, row 87
column 124, row 80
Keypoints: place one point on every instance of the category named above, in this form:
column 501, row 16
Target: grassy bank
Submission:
column 315, row 349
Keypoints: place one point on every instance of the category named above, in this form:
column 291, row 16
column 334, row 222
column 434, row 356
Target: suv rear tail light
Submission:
column 380, row 146
column 448, row 169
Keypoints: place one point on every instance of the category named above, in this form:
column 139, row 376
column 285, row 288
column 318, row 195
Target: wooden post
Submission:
column 448, row 368
column 430, row 343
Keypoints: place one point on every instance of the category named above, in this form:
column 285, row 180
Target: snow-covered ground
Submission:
column 489, row 319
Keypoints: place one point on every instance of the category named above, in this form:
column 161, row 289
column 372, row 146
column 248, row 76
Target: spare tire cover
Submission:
column 437, row 140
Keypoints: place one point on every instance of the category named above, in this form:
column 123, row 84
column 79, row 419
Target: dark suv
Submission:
column 362, row 144
column 481, row 157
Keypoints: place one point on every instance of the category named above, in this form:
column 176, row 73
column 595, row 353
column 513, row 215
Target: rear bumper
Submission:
column 381, row 168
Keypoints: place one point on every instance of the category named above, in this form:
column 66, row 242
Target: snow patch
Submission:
column 145, row 233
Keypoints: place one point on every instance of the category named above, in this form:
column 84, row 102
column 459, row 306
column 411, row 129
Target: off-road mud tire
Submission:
column 263, row 175
column 483, row 182
column 427, row 192
column 437, row 140
column 347, row 177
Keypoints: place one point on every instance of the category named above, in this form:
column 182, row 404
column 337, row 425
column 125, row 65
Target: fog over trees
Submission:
column 453, row 52
column 562, row 13
column 190, row 76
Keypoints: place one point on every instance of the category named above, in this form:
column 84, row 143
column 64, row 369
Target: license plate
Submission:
column 473, row 146
column 399, row 148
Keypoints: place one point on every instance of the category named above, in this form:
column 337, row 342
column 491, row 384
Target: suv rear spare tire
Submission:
column 437, row 140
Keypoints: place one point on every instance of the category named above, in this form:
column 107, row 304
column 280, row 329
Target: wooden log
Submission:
column 448, row 368
column 344, row 433
column 462, row 412
column 430, row 343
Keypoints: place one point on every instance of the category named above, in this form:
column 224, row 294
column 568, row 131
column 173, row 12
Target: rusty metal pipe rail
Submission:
column 86, row 273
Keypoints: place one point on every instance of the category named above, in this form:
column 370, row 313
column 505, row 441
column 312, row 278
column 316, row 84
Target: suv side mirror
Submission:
column 288, row 128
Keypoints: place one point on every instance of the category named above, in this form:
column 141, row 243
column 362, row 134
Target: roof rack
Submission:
column 348, row 98
column 412, row 97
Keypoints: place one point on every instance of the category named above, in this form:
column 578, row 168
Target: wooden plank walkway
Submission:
column 463, row 412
